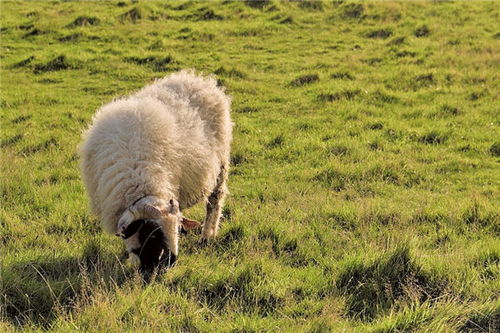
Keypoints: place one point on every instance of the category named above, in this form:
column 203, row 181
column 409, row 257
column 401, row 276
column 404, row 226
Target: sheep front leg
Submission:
column 214, row 206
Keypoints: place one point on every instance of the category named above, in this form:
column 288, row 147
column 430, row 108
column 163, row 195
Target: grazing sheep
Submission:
column 148, row 156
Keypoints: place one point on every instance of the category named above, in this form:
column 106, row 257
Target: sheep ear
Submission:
column 188, row 224
column 131, row 229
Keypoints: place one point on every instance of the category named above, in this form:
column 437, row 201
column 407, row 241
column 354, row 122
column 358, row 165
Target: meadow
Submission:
column 365, row 177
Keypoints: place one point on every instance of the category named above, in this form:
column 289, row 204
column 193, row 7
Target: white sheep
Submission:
column 148, row 156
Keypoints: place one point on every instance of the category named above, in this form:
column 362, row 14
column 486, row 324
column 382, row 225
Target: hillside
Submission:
column 365, row 178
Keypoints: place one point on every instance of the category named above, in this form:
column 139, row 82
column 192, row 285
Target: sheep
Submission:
column 147, row 157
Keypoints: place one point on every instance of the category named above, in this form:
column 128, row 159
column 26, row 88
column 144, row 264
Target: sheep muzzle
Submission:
column 154, row 251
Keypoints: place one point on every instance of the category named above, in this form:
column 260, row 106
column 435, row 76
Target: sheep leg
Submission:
column 214, row 206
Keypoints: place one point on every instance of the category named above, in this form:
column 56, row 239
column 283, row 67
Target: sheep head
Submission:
column 157, row 226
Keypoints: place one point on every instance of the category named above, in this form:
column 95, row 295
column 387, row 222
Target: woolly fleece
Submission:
column 169, row 140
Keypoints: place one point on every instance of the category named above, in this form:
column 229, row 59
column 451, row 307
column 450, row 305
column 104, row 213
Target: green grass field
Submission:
column 365, row 178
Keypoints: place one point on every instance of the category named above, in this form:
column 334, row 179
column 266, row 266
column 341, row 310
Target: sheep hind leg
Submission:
column 214, row 206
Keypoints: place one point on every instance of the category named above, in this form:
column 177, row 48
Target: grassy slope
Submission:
column 365, row 179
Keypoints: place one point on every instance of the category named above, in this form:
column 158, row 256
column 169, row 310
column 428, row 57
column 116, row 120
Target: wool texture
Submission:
column 169, row 140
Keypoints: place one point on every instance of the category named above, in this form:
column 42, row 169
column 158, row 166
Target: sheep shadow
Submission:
column 37, row 291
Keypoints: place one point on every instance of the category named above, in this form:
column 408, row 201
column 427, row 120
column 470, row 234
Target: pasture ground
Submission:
column 365, row 180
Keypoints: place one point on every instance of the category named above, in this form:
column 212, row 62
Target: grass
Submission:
column 365, row 166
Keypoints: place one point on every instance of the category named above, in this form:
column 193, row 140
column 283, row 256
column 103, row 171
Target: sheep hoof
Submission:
column 133, row 260
column 203, row 242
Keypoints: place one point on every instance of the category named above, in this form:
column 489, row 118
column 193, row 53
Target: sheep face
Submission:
column 156, row 234
column 153, row 251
